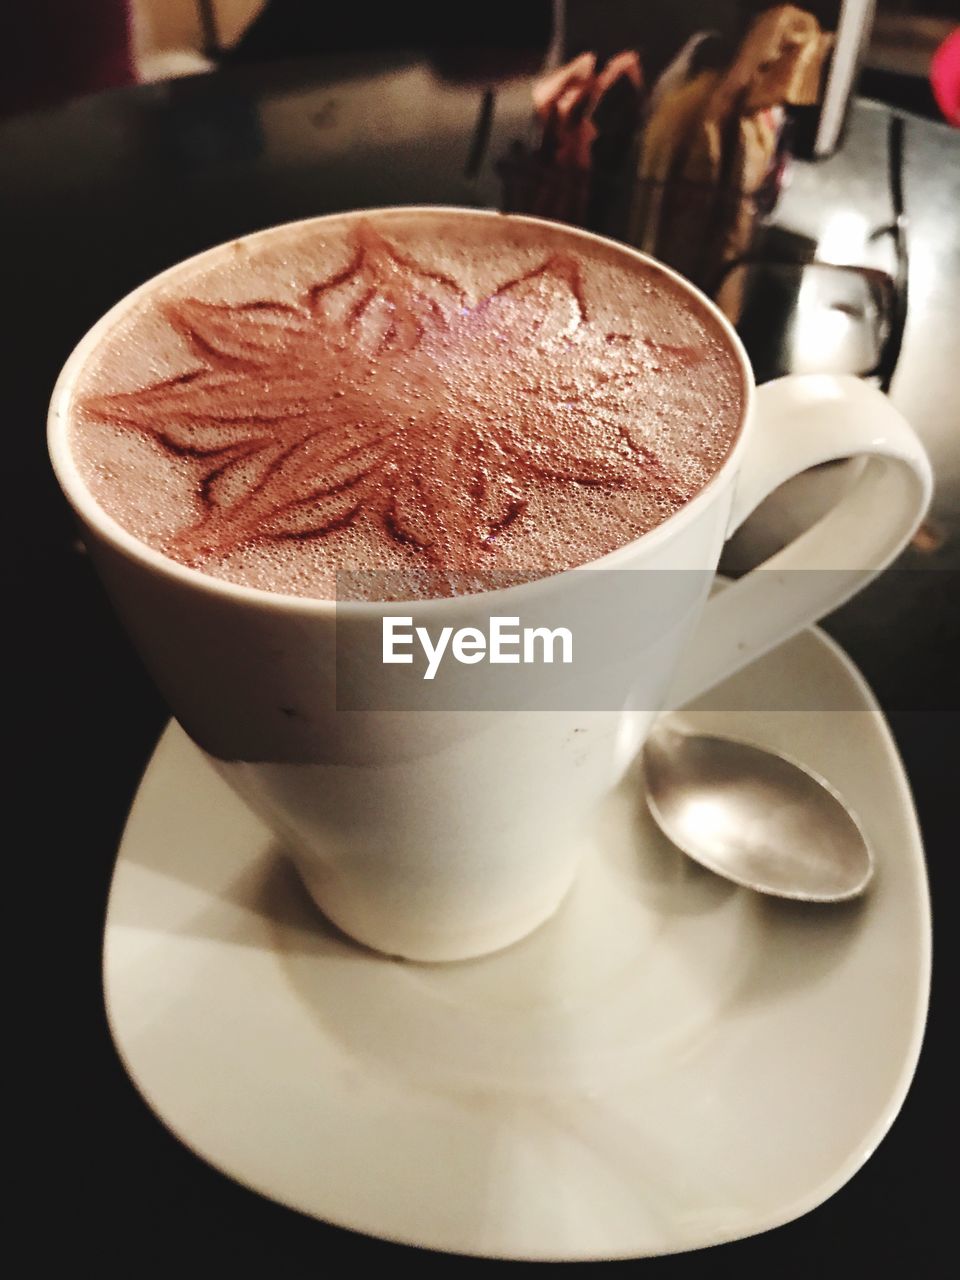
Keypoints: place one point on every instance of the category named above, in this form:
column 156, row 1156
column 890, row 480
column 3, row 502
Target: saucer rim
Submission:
column 796, row 1209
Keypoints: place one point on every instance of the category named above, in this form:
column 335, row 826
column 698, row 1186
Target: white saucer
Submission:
column 669, row 1063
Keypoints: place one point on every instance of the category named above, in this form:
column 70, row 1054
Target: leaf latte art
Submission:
column 396, row 412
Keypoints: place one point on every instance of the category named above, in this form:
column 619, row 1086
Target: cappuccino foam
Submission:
column 445, row 399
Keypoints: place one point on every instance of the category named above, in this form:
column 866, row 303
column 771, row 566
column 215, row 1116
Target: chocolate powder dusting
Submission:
column 390, row 416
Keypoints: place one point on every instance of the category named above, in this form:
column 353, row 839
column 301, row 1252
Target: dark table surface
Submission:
column 101, row 195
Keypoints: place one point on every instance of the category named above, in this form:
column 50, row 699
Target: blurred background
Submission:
column 57, row 49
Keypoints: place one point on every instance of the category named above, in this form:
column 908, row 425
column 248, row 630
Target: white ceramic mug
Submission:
column 440, row 835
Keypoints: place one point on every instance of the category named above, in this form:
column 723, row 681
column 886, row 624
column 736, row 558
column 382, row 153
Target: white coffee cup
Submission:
column 445, row 834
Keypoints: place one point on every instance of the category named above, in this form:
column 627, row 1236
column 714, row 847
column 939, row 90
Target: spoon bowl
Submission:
column 755, row 817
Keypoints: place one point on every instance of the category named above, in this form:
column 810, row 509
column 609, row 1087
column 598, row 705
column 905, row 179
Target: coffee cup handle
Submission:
column 799, row 422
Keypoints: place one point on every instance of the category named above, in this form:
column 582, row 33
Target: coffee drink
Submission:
column 426, row 403
column 427, row 397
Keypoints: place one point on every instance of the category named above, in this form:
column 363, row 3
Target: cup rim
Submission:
column 121, row 540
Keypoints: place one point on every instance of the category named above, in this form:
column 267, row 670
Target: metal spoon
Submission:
column 755, row 817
